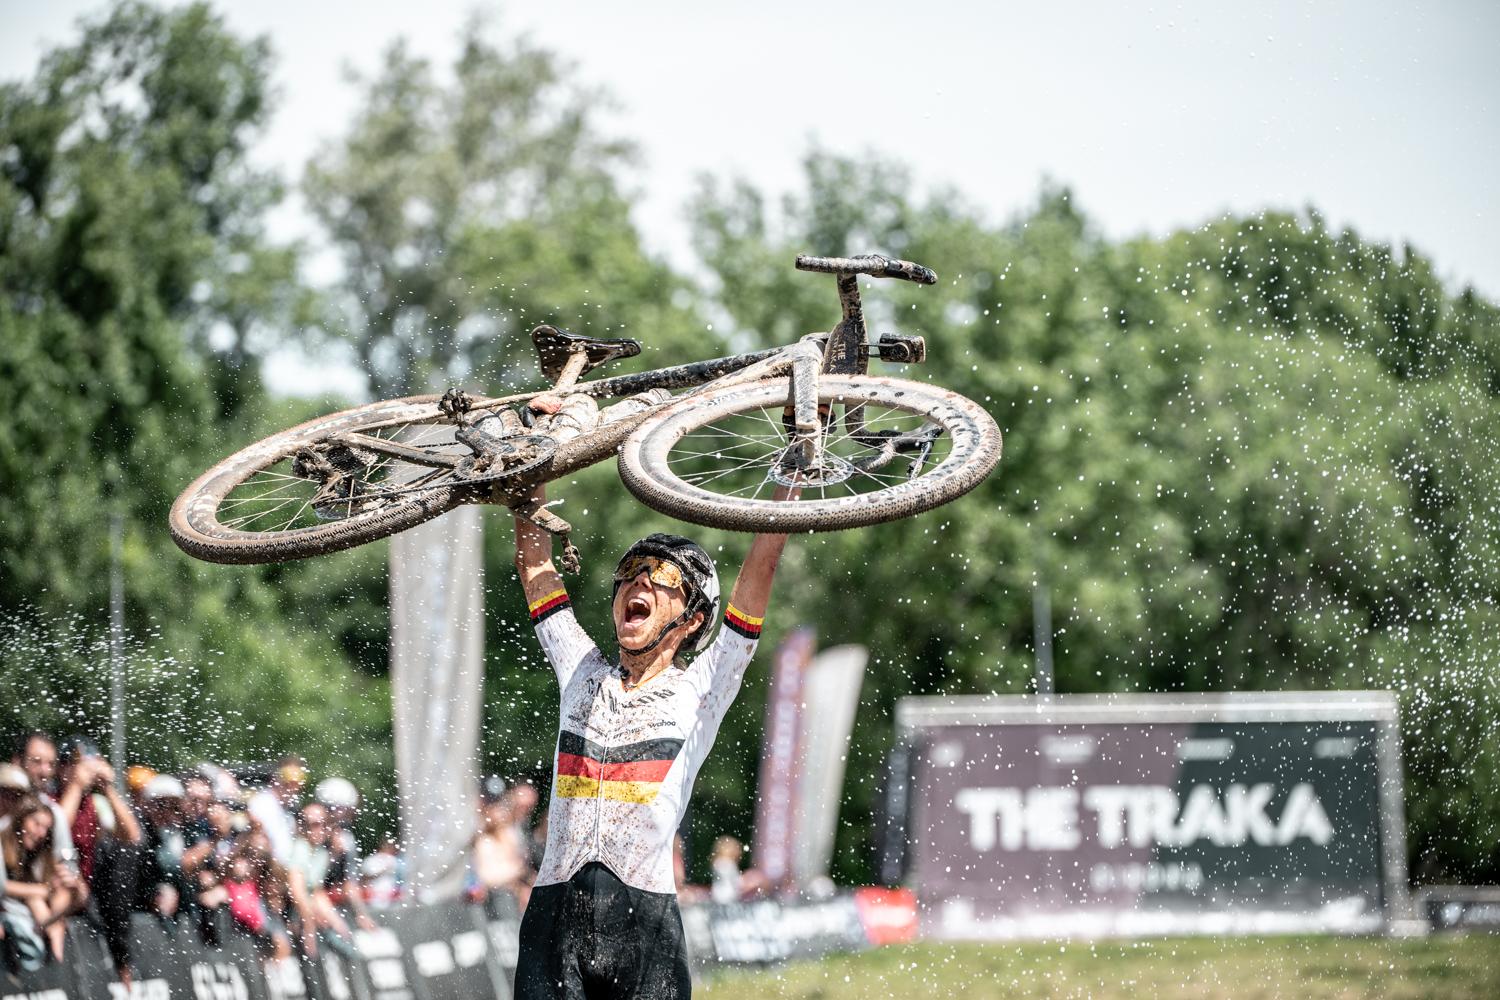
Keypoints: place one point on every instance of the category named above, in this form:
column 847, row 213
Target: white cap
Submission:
column 163, row 786
column 337, row 793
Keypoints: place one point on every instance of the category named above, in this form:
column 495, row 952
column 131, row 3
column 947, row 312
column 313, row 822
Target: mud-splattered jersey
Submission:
column 626, row 760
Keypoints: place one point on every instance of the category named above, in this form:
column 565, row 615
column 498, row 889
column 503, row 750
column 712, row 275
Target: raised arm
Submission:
column 539, row 577
column 752, row 588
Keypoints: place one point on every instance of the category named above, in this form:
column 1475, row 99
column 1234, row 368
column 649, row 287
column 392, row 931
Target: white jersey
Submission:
column 626, row 760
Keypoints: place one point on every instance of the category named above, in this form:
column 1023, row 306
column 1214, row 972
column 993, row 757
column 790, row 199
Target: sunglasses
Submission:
column 659, row 570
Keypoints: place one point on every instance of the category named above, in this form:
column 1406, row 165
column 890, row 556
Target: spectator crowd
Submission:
column 256, row 850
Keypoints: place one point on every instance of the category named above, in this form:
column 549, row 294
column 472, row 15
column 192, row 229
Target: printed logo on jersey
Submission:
column 634, row 772
column 548, row 606
column 742, row 623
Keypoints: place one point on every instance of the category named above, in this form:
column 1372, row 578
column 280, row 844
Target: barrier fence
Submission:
column 1460, row 907
column 443, row 952
column 462, row 952
column 449, row 951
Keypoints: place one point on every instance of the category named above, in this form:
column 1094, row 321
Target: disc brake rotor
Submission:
column 831, row 470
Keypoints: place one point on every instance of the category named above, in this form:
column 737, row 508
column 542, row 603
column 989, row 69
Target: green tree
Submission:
column 136, row 282
column 430, row 184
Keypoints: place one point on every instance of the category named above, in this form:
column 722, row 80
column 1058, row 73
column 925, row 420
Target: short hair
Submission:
column 23, row 743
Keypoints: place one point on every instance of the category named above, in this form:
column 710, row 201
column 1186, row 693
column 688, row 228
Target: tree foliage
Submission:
column 1246, row 456
column 434, row 191
column 130, row 245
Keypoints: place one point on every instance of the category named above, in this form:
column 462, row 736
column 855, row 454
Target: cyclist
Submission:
column 603, row 917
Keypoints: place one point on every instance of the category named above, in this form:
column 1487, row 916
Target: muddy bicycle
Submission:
column 864, row 449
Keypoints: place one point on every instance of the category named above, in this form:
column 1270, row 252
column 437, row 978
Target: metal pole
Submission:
column 1041, row 622
column 116, row 648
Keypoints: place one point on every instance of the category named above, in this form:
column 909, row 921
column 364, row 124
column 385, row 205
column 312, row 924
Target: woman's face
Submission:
column 34, row 828
column 315, row 824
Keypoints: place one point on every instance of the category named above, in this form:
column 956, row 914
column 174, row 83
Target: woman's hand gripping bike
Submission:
column 864, row 449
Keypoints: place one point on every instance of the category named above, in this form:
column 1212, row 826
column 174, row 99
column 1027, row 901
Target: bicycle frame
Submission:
column 843, row 351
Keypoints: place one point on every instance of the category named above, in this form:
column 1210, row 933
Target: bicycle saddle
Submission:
column 554, row 346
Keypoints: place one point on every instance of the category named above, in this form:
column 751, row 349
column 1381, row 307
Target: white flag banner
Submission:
column 437, row 670
column 775, row 814
column 830, row 698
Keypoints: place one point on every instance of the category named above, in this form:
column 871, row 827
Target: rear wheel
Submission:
column 890, row 449
column 326, row 485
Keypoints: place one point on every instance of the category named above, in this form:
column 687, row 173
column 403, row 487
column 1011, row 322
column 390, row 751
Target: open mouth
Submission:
column 637, row 611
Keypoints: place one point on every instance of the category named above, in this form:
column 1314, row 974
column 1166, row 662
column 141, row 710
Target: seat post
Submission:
column 576, row 360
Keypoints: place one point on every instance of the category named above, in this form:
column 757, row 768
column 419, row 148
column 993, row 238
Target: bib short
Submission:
column 595, row 938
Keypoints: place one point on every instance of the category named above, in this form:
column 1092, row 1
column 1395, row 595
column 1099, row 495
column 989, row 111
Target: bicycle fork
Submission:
column 845, row 353
column 806, row 431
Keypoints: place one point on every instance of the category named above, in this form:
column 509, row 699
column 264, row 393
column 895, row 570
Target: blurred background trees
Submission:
column 1251, row 455
column 137, row 288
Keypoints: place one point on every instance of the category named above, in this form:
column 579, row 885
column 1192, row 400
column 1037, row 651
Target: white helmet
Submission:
column 337, row 793
column 700, row 575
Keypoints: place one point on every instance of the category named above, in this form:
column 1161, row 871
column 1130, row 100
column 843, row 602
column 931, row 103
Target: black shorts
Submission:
column 595, row 937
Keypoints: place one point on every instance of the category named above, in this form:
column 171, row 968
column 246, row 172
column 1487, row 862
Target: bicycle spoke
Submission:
column 707, row 478
column 274, row 500
column 262, row 513
column 299, row 513
column 719, row 454
column 264, row 496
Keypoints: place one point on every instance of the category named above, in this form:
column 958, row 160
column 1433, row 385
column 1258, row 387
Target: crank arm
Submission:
column 553, row 525
column 541, row 517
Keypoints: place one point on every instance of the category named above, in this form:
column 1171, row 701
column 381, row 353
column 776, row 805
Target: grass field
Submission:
column 1171, row 968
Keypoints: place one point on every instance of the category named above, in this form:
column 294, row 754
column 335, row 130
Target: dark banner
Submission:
column 440, row 952
column 1127, row 816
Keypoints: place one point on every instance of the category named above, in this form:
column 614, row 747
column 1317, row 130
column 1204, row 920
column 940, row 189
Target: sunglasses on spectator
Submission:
column 659, row 570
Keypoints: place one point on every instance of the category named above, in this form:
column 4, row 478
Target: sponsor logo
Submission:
column 218, row 981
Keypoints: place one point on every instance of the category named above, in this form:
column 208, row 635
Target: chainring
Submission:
column 506, row 458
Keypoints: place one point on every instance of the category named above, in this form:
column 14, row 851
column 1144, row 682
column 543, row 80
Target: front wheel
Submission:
column 890, row 448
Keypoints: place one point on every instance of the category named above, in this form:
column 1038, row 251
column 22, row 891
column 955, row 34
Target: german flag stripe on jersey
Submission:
column 548, row 606
column 743, row 623
column 630, row 773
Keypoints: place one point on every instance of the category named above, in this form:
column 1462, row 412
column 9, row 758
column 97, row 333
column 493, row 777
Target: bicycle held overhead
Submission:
column 864, row 449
